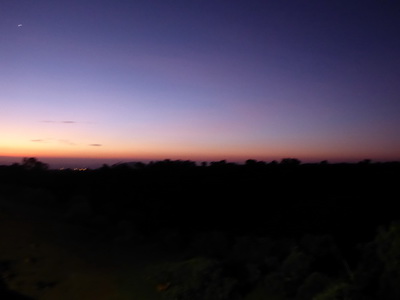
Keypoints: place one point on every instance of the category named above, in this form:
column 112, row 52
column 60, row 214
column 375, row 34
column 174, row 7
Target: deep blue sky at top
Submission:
column 200, row 79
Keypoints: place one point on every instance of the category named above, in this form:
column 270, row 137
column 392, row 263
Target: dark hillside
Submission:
column 267, row 216
column 285, row 199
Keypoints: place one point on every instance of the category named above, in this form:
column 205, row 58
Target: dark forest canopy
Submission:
column 278, row 198
column 310, row 194
column 223, row 209
column 32, row 163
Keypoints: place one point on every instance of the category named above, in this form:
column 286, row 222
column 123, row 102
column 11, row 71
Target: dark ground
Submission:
column 254, row 231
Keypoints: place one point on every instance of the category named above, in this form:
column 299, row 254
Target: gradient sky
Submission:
column 200, row 80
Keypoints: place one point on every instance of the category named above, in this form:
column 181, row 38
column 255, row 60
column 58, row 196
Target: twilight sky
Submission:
column 200, row 80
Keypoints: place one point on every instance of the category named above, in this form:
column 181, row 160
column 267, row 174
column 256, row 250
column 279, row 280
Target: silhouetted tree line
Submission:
column 285, row 228
column 287, row 198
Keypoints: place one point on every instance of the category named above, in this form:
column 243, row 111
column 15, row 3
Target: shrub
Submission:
column 195, row 279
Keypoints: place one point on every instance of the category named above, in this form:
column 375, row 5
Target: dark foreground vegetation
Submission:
column 254, row 231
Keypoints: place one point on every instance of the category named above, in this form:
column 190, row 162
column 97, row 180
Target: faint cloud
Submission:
column 52, row 140
column 95, row 145
column 59, row 122
column 67, row 142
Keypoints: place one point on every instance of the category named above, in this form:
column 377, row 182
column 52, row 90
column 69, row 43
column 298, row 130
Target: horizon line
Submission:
column 92, row 162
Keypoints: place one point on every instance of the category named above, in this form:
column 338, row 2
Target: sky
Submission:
column 201, row 80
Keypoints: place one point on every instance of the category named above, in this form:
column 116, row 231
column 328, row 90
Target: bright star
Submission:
column 19, row 25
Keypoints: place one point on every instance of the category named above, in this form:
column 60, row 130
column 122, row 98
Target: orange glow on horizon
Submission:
column 234, row 155
column 128, row 150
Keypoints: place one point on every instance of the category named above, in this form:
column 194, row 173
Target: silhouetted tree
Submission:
column 365, row 162
column 290, row 161
column 218, row 163
column 273, row 163
column 251, row 162
column 33, row 164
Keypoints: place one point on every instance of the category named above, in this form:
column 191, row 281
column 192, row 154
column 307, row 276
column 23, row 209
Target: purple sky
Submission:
column 200, row 80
